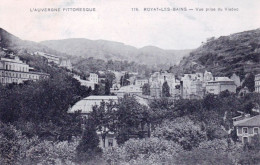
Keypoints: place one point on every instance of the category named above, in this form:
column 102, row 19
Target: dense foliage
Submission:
column 237, row 53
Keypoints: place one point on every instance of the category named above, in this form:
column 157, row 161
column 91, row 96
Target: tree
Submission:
column 182, row 131
column 104, row 118
column 146, row 89
column 88, row 147
column 165, row 90
column 107, row 87
column 143, row 151
column 124, row 80
column 249, row 82
column 133, row 120
column 110, row 77
column 44, row 104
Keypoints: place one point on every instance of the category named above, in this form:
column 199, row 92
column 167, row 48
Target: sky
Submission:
column 115, row 20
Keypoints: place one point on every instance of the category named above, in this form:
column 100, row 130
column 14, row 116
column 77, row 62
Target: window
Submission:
column 110, row 142
column 256, row 130
column 245, row 140
column 244, row 130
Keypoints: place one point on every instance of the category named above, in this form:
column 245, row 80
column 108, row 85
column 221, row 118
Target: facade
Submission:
column 156, row 89
column 93, row 78
column 192, row 86
column 247, row 128
column 220, row 84
column 156, row 82
column 257, row 83
column 141, row 82
column 13, row 70
column 129, row 90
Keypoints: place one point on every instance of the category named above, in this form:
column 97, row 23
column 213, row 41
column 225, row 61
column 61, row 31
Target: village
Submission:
column 161, row 84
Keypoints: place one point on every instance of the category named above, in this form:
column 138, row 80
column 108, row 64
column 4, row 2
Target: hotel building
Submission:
column 16, row 71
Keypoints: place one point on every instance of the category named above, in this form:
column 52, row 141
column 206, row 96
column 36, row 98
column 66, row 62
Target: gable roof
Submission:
column 253, row 121
column 86, row 105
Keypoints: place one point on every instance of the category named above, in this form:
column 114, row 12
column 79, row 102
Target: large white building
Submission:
column 156, row 82
column 49, row 57
column 193, row 85
column 13, row 70
column 220, row 84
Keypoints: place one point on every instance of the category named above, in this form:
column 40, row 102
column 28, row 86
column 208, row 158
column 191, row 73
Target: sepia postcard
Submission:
column 129, row 82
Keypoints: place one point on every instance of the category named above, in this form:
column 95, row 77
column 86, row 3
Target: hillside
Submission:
column 11, row 43
column 239, row 53
column 109, row 50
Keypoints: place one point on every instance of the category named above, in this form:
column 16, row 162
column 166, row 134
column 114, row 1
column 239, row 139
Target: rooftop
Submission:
column 253, row 121
column 222, row 79
column 85, row 105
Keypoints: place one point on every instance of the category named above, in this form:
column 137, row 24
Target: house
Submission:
column 220, row 84
column 85, row 106
column 247, row 128
column 141, row 82
column 129, row 90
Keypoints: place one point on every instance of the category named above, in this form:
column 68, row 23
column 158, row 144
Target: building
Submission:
column 156, row 89
column 141, row 82
column 128, row 90
column 247, row 128
column 13, row 70
column 156, row 82
column 49, row 57
column 220, row 84
column 85, row 83
column 93, row 78
column 65, row 63
column 192, row 86
column 257, row 83
column 85, row 106
column 208, row 76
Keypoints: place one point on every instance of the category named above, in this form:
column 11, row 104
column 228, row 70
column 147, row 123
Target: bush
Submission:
column 144, row 151
column 182, row 131
column 48, row 152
